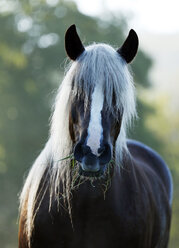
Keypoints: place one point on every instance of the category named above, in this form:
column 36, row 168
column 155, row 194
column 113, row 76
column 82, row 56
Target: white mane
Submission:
column 99, row 64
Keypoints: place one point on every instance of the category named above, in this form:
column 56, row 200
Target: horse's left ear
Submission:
column 73, row 44
column 129, row 48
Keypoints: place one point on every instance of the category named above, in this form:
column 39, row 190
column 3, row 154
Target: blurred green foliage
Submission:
column 32, row 61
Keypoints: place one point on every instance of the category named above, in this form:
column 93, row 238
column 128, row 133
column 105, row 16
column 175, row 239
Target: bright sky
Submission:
column 161, row 16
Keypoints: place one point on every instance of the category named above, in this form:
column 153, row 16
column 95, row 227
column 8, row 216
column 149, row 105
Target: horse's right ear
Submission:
column 73, row 44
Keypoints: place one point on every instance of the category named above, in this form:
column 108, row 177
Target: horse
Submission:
column 91, row 186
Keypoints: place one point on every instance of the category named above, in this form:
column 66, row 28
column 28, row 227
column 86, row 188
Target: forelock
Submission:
column 101, row 64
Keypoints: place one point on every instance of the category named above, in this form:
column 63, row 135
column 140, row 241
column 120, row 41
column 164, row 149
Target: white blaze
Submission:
column 95, row 129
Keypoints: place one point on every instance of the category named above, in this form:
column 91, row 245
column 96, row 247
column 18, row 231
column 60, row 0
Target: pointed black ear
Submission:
column 129, row 48
column 73, row 44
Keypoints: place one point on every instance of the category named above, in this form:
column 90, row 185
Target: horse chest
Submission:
column 96, row 223
column 102, row 225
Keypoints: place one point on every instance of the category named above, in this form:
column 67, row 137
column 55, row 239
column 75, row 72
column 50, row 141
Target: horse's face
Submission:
column 93, row 126
column 94, row 130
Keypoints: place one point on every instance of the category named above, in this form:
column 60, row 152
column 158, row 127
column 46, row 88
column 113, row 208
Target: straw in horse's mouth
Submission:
column 87, row 174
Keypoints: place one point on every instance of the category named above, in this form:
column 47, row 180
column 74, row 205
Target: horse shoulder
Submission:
column 148, row 185
column 150, row 160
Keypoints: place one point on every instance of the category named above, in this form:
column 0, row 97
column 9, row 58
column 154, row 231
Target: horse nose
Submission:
column 90, row 163
column 80, row 151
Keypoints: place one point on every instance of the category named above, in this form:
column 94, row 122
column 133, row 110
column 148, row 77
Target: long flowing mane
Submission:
column 99, row 64
column 90, row 180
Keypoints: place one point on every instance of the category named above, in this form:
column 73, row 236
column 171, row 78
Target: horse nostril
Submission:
column 101, row 150
column 86, row 149
column 78, row 152
column 105, row 155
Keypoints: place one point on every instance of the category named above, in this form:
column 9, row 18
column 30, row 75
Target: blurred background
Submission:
column 32, row 62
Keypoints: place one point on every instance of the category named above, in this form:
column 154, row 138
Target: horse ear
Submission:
column 73, row 44
column 129, row 48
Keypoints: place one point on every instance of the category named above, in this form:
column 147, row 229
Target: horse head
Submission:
column 97, row 99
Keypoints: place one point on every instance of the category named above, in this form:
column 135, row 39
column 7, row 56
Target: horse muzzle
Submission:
column 92, row 165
